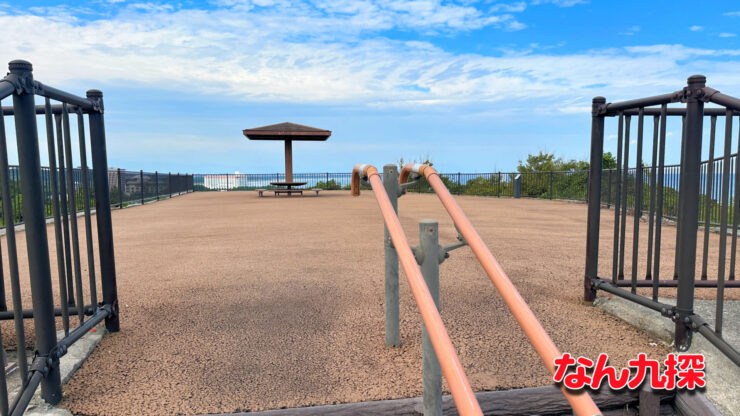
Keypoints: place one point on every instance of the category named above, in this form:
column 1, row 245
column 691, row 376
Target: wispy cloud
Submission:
column 727, row 35
column 516, row 7
column 631, row 31
column 696, row 28
column 560, row 3
column 736, row 14
column 303, row 54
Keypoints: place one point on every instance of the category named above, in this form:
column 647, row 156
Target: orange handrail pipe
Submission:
column 462, row 393
column 581, row 402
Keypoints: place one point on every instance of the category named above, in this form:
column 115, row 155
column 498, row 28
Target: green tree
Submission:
column 547, row 162
column 541, row 162
column 608, row 161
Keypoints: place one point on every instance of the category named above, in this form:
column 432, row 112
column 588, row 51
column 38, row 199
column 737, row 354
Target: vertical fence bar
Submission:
column 120, row 189
column 156, row 180
column 141, row 183
column 638, row 198
column 723, row 224
column 64, row 209
column 86, row 208
column 594, row 203
column 3, row 297
column 651, row 219
column 659, row 201
column 689, row 212
column 392, row 317
column 625, row 178
column 35, row 222
column 429, row 262
column 735, row 211
column 4, row 409
column 102, row 207
column 57, row 219
column 617, row 199
column 72, row 210
column 708, row 198
column 15, row 285
column 680, row 197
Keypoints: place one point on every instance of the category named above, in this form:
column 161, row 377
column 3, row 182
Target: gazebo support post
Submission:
column 288, row 161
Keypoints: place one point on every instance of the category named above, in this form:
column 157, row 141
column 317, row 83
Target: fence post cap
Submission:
column 94, row 93
column 20, row 64
column 697, row 79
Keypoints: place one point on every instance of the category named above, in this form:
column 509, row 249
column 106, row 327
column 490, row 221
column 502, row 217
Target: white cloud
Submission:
column 560, row 3
column 631, row 31
column 307, row 56
column 727, row 35
column 736, row 14
column 696, row 28
column 516, row 7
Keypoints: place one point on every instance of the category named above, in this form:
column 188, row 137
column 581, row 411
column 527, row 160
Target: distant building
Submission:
column 225, row 181
column 113, row 178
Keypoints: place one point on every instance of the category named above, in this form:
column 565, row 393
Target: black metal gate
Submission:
column 66, row 190
column 691, row 204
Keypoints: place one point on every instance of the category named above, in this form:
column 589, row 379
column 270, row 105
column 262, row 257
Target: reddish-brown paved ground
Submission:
column 232, row 302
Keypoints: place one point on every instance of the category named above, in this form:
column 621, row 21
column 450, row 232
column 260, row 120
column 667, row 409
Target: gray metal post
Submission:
column 156, row 181
column 392, row 317
column 99, row 155
column 429, row 261
column 688, row 213
column 35, row 223
column 141, row 183
column 518, row 185
column 551, row 174
column 594, row 205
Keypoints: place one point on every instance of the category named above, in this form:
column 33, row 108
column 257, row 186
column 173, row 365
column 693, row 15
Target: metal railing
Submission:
column 699, row 194
column 563, row 185
column 139, row 187
column 439, row 356
column 125, row 188
column 44, row 369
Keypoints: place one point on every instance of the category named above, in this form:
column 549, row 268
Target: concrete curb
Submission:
column 69, row 363
column 722, row 374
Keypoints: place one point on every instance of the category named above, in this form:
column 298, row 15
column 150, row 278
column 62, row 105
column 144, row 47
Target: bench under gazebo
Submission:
column 288, row 133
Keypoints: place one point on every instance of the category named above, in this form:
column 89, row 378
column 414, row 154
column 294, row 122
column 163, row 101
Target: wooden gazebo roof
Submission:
column 287, row 131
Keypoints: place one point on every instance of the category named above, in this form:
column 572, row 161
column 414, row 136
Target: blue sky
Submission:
column 476, row 85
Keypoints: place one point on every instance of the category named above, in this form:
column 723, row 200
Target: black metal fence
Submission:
column 139, row 187
column 125, row 188
column 696, row 194
column 549, row 185
column 564, row 185
column 58, row 192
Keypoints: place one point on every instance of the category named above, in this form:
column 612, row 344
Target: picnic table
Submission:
column 288, row 190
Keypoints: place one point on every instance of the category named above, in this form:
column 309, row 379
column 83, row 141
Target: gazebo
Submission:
column 287, row 132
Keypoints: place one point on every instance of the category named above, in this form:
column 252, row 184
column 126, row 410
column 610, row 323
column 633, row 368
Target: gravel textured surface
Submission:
column 231, row 302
